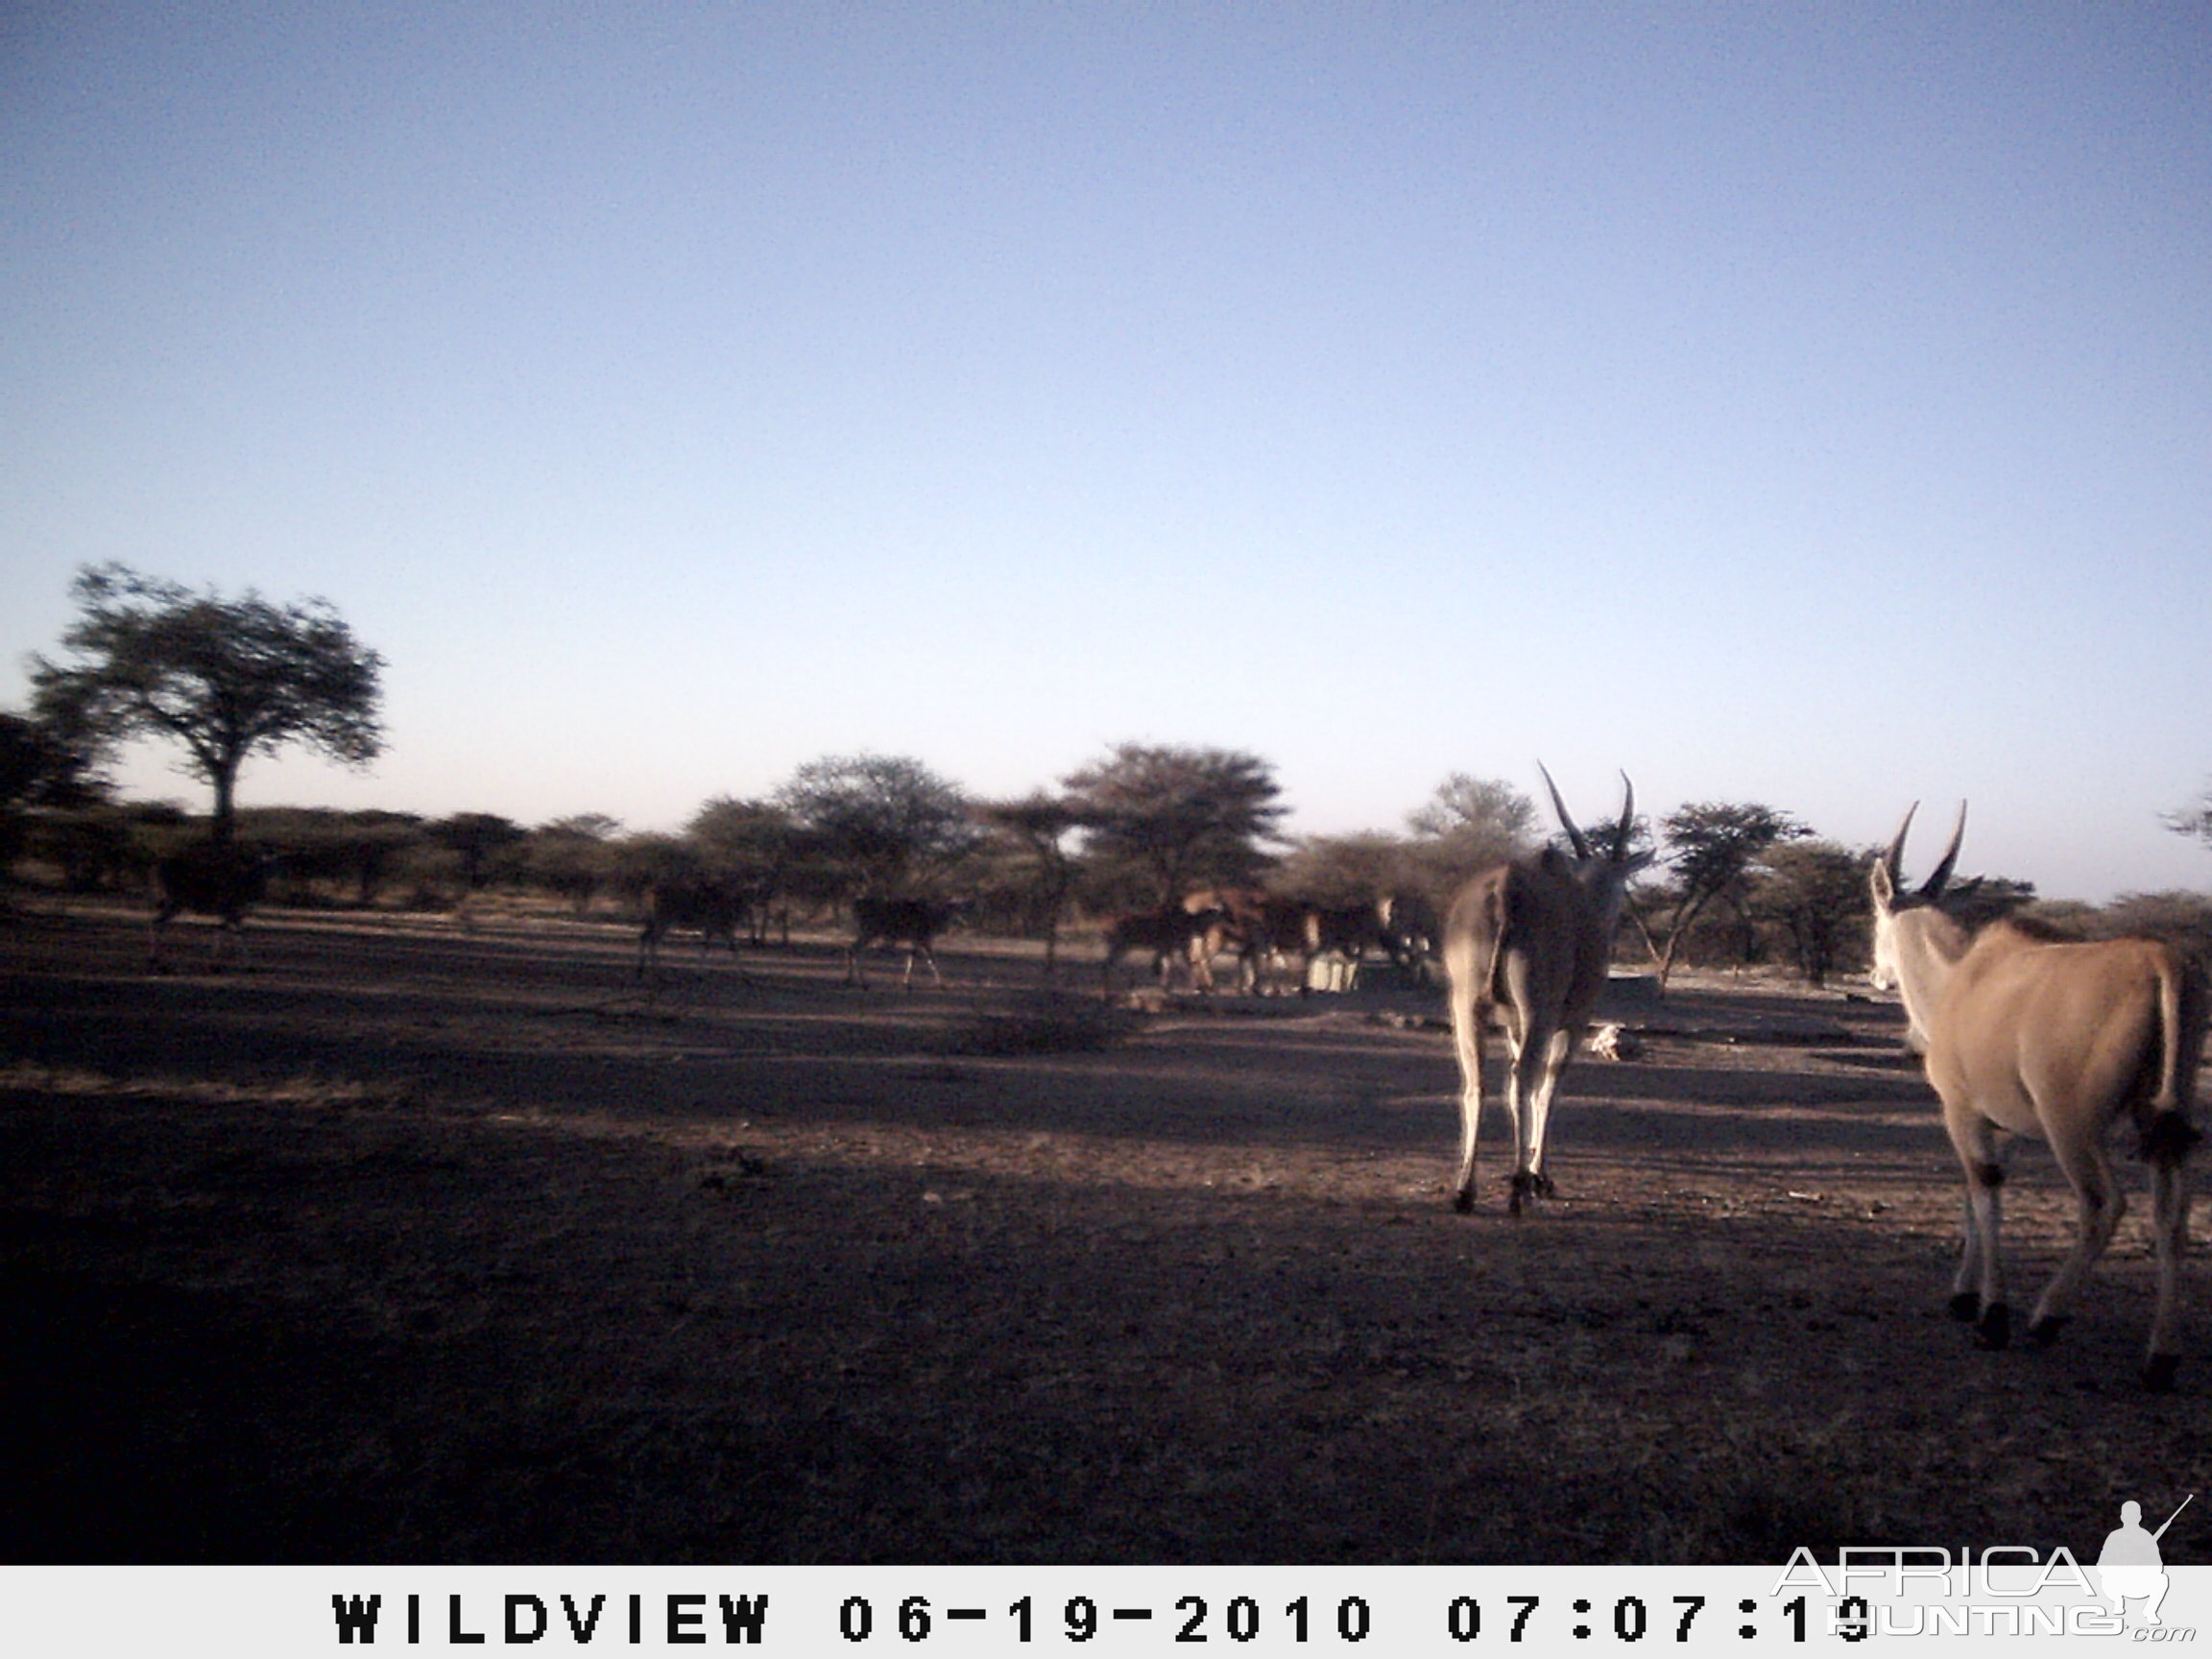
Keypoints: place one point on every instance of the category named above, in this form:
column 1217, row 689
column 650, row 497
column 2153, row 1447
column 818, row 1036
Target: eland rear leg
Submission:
column 1966, row 1282
column 1537, row 1070
column 1977, row 1293
column 1524, row 1184
column 1468, row 1019
column 2098, row 1205
column 2170, row 1242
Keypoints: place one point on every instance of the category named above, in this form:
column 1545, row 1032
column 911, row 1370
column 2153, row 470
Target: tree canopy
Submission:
column 39, row 767
column 1039, row 825
column 1468, row 824
column 1817, row 892
column 476, row 839
column 1488, row 810
column 889, row 820
column 1715, row 847
column 745, row 843
column 2194, row 820
column 1178, row 816
column 225, row 678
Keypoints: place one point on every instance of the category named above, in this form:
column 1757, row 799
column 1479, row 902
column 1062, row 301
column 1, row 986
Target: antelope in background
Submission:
column 1256, row 924
column 207, row 879
column 1197, row 935
column 1533, row 939
column 914, row 923
column 2026, row 1033
column 1349, row 931
column 691, row 905
column 1262, row 926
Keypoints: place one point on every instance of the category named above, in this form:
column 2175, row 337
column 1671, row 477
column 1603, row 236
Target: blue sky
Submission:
column 1809, row 405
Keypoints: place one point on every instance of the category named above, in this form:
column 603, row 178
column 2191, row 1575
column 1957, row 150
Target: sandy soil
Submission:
column 419, row 1243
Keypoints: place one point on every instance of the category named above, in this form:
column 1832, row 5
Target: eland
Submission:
column 1197, row 935
column 1347, row 931
column 1532, row 939
column 914, row 923
column 677, row 904
column 1257, row 926
column 207, row 879
column 2024, row 1033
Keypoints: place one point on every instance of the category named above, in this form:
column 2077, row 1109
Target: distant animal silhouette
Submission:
column 207, row 879
column 914, row 923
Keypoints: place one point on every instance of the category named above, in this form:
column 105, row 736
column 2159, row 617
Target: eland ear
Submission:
column 1882, row 884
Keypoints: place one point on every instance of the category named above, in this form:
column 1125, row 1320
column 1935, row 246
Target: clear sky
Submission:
column 1801, row 403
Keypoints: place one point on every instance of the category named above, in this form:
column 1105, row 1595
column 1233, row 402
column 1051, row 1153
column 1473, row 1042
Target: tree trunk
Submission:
column 224, row 830
column 1678, row 929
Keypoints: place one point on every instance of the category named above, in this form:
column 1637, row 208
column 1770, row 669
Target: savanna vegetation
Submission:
column 438, row 1242
column 1738, row 884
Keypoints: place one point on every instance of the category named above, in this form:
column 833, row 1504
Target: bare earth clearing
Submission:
column 413, row 1243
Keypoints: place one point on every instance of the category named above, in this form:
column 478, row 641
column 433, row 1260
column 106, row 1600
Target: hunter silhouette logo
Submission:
column 2129, row 1565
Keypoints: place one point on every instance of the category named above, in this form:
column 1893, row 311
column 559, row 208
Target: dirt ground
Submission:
column 424, row 1242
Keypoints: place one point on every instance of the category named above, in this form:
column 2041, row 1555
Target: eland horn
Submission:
column 1932, row 889
column 1894, row 860
column 1566, row 819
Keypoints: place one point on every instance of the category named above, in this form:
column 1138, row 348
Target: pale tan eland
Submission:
column 2024, row 1033
column 1531, row 939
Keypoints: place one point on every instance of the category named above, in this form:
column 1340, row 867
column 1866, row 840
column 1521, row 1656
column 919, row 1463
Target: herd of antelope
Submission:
column 2022, row 1033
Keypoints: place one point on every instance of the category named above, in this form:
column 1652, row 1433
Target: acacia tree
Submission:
column 1715, row 848
column 1468, row 824
column 758, row 849
column 887, row 821
column 746, row 845
column 2194, row 818
column 1489, row 809
column 1816, row 891
column 476, row 839
column 39, row 768
column 573, row 857
column 1343, row 870
column 1178, row 816
column 1040, row 824
column 225, row 677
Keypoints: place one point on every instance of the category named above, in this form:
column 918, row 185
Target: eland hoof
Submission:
column 2045, row 1331
column 2158, row 1374
column 1462, row 1201
column 1528, row 1185
column 1966, row 1307
column 1996, row 1328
